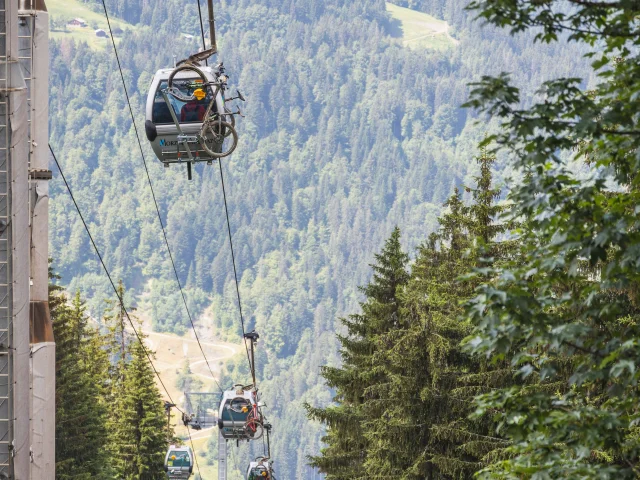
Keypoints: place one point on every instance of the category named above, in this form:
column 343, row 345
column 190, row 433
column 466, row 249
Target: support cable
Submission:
column 155, row 201
column 106, row 270
column 120, row 299
column 250, row 357
column 235, row 274
column 193, row 449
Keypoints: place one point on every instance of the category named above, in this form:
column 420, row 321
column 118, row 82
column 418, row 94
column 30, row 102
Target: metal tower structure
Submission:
column 222, row 456
column 33, row 49
column 27, row 350
column 14, row 255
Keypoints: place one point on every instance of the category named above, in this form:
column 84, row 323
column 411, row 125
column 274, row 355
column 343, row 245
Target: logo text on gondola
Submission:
column 174, row 143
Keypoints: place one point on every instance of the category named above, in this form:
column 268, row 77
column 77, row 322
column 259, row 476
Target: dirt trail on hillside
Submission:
column 171, row 351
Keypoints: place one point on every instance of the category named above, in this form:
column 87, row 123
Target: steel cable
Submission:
column 120, row 299
column 153, row 195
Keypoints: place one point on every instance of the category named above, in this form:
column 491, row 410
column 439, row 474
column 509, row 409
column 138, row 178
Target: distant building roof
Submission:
column 77, row 21
column 101, row 33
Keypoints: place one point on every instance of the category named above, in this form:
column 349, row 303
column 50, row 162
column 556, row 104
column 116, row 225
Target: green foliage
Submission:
column 138, row 437
column 81, row 411
column 109, row 416
column 405, row 390
column 566, row 313
column 347, row 441
column 138, row 440
column 347, row 134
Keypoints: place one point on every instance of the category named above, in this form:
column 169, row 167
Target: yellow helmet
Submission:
column 199, row 94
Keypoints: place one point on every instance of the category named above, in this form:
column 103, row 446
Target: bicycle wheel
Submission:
column 240, row 405
column 219, row 138
column 184, row 68
column 253, row 430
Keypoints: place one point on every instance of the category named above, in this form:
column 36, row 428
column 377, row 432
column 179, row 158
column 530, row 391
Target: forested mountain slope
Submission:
column 347, row 134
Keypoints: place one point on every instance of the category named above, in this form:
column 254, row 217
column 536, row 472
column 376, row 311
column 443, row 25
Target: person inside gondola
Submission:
column 181, row 460
column 192, row 111
column 259, row 473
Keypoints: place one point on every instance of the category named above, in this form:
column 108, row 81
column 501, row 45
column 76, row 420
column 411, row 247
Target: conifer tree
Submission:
column 138, row 439
column 345, row 454
column 137, row 427
column 461, row 446
column 484, row 210
column 417, row 422
column 80, row 408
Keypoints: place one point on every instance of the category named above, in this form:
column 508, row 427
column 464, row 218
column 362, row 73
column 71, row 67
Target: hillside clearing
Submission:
column 419, row 30
column 63, row 11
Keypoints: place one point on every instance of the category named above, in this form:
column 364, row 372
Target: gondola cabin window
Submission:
column 186, row 112
column 179, row 459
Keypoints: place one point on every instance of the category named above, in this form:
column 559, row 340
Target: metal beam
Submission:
column 212, row 27
column 33, row 35
column 222, row 456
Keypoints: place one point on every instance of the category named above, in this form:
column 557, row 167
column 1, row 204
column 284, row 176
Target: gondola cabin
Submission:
column 164, row 110
column 259, row 470
column 236, row 407
column 179, row 462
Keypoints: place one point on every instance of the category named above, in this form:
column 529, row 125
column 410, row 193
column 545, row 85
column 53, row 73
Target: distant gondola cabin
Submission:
column 260, row 470
column 178, row 462
column 235, row 409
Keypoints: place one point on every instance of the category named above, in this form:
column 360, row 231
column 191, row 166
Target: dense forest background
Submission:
column 347, row 134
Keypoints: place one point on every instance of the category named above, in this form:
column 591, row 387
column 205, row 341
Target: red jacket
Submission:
column 192, row 112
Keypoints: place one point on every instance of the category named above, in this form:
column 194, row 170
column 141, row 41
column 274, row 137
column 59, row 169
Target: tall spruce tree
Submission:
column 137, row 428
column 461, row 445
column 80, row 407
column 344, row 456
column 138, row 439
column 416, row 422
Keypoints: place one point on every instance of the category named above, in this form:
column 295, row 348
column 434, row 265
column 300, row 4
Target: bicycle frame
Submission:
column 186, row 139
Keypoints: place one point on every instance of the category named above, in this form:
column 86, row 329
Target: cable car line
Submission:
column 233, row 258
column 193, row 448
column 240, row 415
column 235, row 274
column 106, row 270
column 153, row 195
column 252, row 337
column 115, row 289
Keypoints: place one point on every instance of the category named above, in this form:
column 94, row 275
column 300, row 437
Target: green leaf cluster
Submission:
column 566, row 311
